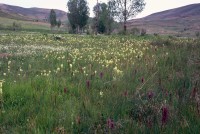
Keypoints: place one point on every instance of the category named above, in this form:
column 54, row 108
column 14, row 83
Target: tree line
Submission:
column 105, row 14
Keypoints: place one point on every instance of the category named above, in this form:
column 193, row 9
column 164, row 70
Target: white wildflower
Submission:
column 70, row 65
column 9, row 62
column 61, row 66
column 101, row 93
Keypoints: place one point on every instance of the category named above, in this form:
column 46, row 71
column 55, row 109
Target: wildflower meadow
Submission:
column 99, row 84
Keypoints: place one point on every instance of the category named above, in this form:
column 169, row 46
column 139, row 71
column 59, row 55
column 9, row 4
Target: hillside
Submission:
column 179, row 21
column 192, row 10
column 34, row 14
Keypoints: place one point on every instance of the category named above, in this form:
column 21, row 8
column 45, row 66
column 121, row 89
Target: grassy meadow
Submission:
column 99, row 84
column 7, row 23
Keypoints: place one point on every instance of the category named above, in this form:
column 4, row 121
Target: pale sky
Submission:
column 152, row 6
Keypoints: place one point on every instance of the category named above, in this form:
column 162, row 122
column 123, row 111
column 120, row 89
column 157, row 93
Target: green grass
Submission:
column 26, row 25
column 98, row 84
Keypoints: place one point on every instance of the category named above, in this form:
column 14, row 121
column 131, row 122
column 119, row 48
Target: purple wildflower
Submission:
column 88, row 84
column 142, row 80
column 65, row 90
column 125, row 94
column 165, row 114
column 150, row 94
column 194, row 91
column 101, row 75
column 110, row 123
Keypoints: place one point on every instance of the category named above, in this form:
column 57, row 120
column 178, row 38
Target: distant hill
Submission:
column 192, row 10
column 179, row 21
column 34, row 14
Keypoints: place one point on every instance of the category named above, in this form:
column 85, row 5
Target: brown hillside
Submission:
column 37, row 14
column 179, row 21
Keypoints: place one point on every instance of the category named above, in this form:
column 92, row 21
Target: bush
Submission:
column 135, row 31
column 15, row 26
column 143, row 32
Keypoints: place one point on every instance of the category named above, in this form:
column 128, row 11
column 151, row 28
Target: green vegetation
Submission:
column 99, row 84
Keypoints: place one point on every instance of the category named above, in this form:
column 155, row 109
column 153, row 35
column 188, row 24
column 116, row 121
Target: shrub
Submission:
column 121, row 32
column 197, row 34
column 156, row 34
column 16, row 26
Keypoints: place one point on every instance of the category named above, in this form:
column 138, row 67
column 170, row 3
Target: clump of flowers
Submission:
column 117, row 73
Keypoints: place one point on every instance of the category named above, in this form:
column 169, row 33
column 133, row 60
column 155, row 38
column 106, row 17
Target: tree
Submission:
column 96, row 12
column 126, row 9
column 59, row 23
column 103, row 17
column 111, row 13
column 101, row 27
column 52, row 18
column 78, row 14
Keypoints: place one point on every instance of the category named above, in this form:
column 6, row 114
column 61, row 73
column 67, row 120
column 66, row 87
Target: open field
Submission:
column 5, row 23
column 99, row 84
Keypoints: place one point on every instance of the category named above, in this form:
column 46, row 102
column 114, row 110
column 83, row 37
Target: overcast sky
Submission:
column 152, row 6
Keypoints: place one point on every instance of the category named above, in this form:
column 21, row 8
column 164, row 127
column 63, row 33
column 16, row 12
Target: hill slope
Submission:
column 179, row 21
column 36, row 14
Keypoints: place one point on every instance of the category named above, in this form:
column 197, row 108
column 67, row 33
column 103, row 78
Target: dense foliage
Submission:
column 78, row 14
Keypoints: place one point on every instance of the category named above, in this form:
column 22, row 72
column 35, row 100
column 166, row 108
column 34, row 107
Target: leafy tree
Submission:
column 101, row 27
column 52, row 18
column 78, row 13
column 126, row 9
